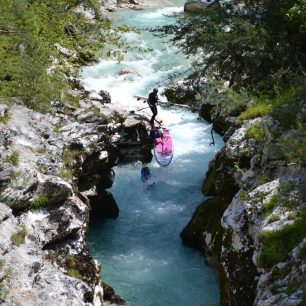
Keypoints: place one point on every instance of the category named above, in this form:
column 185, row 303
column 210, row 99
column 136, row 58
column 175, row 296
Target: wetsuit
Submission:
column 152, row 101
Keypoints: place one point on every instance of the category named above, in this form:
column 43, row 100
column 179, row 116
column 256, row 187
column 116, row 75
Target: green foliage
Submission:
column 268, row 207
column 284, row 198
column 72, row 269
column 41, row 150
column 66, row 174
column 263, row 179
column 230, row 102
column 13, row 158
column 244, row 196
column 274, row 218
column 19, row 238
column 4, row 281
column 277, row 244
column 294, row 146
column 56, row 129
column 74, row 273
column 303, row 252
column 289, row 108
column 72, row 100
column 281, row 272
column 255, row 131
column 69, row 157
column 30, row 30
column 255, row 110
column 259, row 46
column 5, row 119
column 237, row 168
column 40, row 201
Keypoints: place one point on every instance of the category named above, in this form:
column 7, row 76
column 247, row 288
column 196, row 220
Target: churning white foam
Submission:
column 167, row 11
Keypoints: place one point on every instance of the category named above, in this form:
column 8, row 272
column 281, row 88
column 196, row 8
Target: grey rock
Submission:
column 5, row 212
column 105, row 96
column 196, row 6
column 4, row 110
column 56, row 189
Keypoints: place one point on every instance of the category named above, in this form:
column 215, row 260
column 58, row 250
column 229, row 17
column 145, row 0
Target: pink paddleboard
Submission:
column 163, row 148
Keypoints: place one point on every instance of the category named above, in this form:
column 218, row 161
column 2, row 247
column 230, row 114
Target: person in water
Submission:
column 145, row 173
column 147, row 176
column 152, row 101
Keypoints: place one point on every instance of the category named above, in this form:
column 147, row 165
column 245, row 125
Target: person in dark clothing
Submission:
column 152, row 101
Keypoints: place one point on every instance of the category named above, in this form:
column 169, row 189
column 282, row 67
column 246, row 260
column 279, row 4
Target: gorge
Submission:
column 71, row 198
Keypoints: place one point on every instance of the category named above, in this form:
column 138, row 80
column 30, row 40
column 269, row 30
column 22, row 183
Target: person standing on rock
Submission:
column 152, row 101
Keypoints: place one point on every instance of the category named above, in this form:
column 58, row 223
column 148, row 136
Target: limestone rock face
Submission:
column 45, row 161
column 245, row 221
column 28, row 278
column 196, row 6
column 256, row 193
column 133, row 141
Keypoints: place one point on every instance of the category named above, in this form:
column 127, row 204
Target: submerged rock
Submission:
column 126, row 70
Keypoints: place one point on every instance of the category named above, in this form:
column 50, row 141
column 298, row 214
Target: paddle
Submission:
column 144, row 99
column 137, row 110
column 174, row 104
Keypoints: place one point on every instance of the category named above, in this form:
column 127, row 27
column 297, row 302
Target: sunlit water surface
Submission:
column 141, row 252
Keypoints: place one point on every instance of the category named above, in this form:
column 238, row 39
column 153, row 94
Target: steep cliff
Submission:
column 252, row 227
column 55, row 168
column 48, row 163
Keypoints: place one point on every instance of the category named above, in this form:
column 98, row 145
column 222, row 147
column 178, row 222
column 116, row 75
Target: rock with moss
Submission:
column 26, row 243
column 284, row 284
column 255, row 222
column 262, row 228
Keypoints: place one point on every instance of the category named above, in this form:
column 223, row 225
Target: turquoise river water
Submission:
column 141, row 252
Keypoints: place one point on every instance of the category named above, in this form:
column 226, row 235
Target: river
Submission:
column 141, row 252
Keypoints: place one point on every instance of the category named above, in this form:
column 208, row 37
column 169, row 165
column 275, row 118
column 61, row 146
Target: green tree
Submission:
column 259, row 45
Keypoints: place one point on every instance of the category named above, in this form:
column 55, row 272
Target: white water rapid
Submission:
column 141, row 252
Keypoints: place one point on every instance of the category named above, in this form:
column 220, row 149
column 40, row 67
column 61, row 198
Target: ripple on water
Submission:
column 141, row 252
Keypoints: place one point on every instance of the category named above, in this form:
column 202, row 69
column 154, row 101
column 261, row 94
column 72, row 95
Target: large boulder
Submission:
column 105, row 96
column 264, row 212
column 134, row 142
column 182, row 92
column 196, row 6
column 103, row 206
